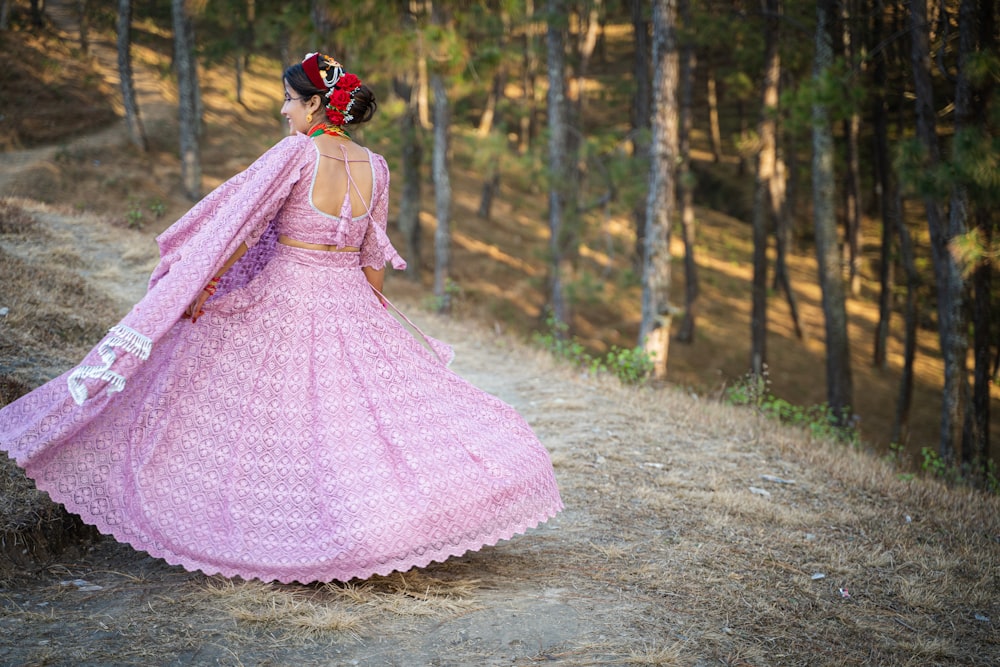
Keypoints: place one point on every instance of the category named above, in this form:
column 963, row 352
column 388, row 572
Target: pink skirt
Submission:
column 298, row 432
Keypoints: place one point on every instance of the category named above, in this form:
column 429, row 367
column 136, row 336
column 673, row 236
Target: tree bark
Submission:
column 982, row 285
column 838, row 361
column 886, row 194
column 136, row 132
column 970, row 117
column 558, row 167
column 654, row 330
column 852, row 175
column 587, row 44
column 423, row 88
column 322, row 24
column 492, row 99
column 685, row 181
column 84, row 19
column 946, row 274
column 714, row 129
column 442, row 192
column 901, row 421
column 442, row 195
column 526, row 123
column 641, row 110
column 409, row 203
column 189, row 100
column 37, row 13
column 5, row 14
column 783, row 239
column 762, row 205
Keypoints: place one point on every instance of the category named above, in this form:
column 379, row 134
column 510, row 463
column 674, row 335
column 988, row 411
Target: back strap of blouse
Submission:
column 350, row 179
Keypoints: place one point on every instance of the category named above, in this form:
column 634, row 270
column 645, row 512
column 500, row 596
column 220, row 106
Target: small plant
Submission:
column 133, row 216
column 895, row 453
column 157, row 208
column 630, row 366
column 754, row 390
column 451, row 291
column 556, row 340
column 933, row 464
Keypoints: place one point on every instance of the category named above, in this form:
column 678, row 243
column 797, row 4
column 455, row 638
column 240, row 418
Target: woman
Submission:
column 260, row 413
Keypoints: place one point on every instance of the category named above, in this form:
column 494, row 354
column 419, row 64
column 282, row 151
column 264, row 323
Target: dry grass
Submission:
column 38, row 64
column 304, row 612
column 663, row 557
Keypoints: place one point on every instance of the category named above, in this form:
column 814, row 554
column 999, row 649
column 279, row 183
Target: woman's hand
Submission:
column 195, row 310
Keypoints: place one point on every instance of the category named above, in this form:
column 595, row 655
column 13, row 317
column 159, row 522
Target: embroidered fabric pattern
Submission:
column 297, row 431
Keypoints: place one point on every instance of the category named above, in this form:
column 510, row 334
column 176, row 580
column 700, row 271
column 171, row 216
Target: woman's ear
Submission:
column 315, row 104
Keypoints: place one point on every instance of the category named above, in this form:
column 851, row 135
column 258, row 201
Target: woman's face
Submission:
column 297, row 108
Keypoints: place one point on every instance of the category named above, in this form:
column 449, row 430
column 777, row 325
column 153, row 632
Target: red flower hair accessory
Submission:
column 325, row 72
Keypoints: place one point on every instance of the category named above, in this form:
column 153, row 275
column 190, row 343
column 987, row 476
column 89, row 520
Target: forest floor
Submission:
column 694, row 533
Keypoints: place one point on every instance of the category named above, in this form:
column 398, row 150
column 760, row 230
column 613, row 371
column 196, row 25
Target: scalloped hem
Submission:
column 324, row 575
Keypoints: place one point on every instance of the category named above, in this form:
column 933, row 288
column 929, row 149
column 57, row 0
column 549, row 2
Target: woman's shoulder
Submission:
column 379, row 165
column 293, row 144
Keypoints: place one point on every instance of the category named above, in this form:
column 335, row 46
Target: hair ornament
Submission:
column 325, row 72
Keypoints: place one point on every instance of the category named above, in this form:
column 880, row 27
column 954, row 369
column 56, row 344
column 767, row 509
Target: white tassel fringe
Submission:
column 126, row 338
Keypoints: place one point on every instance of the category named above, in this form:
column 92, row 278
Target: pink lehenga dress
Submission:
column 297, row 431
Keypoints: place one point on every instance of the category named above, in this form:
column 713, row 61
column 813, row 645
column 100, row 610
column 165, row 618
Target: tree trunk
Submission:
column 641, row 97
column 246, row 45
column 492, row 99
column 189, row 100
column 322, row 24
column 5, row 14
column 81, row 6
column 423, row 89
column 838, row 361
column 136, row 132
column 946, row 274
column 981, row 315
column 901, row 422
column 442, row 195
column 885, row 192
column 37, row 13
column 409, row 202
column 983, row 280
column 641, row 109
column 970, row 117
column 587, row 44
column 783, row 237
column 762, row 205
column 238, row 69
column 685, row 182
column 491, row 185
column 714, row 129
column 526, row 123
column 558, row 167
column 654, row 330
column 852, row 175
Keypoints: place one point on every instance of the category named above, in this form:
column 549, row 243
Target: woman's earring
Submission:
column 309, row 117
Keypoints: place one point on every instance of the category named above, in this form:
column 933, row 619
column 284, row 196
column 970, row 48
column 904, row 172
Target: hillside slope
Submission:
column 694, row 533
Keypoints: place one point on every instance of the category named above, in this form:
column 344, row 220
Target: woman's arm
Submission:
column 195, row 311
column 376, row 278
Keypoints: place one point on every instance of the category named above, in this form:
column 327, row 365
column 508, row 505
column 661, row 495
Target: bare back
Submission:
column 344, row 172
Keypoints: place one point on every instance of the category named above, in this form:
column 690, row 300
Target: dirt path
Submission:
column 16, row 166
column 694, row 534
